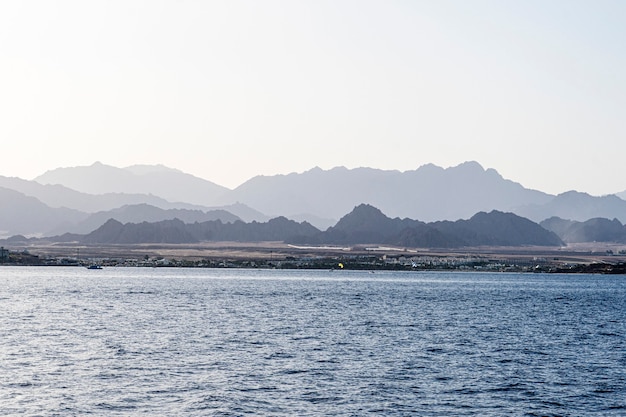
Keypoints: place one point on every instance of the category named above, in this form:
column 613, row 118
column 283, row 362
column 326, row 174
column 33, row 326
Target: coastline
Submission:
column 591, row 258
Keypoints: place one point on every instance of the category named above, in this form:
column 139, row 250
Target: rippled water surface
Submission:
column 132, row 341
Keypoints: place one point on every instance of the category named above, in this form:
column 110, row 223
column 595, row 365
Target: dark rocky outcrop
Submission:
column 367, row 224
column 138, row 213
column 175, row 232
column 498, row 229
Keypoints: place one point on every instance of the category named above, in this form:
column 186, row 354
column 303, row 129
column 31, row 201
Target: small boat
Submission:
column 94, row 266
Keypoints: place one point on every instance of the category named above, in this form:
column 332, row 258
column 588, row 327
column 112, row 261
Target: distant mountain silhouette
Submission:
column 429, row 193
column 574, row 205
column 166, row 231
column 317, row 196
column 139, row 213
column 367, row 224
column 86, row 210
column 364, row 224
column 592, row 230
column 498, row 229
column 21, row 214
column 175, row 231
column 57, row 196
column 245, row 213
column 170, row 184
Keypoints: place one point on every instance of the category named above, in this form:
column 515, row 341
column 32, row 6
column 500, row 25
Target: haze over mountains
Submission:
column 363, row 225
column 592, row 230
column 367, row 224
column 428, row 193
column 167, row 183
column 80, row 199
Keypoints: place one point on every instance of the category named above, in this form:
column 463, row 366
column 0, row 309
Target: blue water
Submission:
column 198, row 342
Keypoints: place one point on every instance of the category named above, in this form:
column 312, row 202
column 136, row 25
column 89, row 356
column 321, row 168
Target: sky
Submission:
column 226, row 90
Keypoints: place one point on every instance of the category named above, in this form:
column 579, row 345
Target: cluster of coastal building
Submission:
column 353, row 262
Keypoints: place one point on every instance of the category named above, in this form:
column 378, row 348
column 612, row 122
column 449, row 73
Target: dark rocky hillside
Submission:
column 367, row 224
column 498, row 229
column 138, row 213
column 175, row 231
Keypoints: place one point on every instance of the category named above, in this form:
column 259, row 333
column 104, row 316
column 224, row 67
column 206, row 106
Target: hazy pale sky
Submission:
column 226, row 90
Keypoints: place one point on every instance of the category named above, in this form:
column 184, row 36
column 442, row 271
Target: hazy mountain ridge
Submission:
column 592, row 230
column 57, row 196
column 320, row 197
column 168, row 183
column 428, row 193
column 139, row 213
column 21, row 214
column 365, row 224
column 574, row 205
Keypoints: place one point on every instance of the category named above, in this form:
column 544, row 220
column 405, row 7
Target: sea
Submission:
column 234, row 342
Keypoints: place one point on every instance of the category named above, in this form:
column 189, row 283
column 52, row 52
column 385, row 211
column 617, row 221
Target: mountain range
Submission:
column 577, row 206
column 22, row 214
column 167, row 183
column 428, row 193
column 139, row 213
column 592, row 230
column 82, row 198
column 365, row 224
